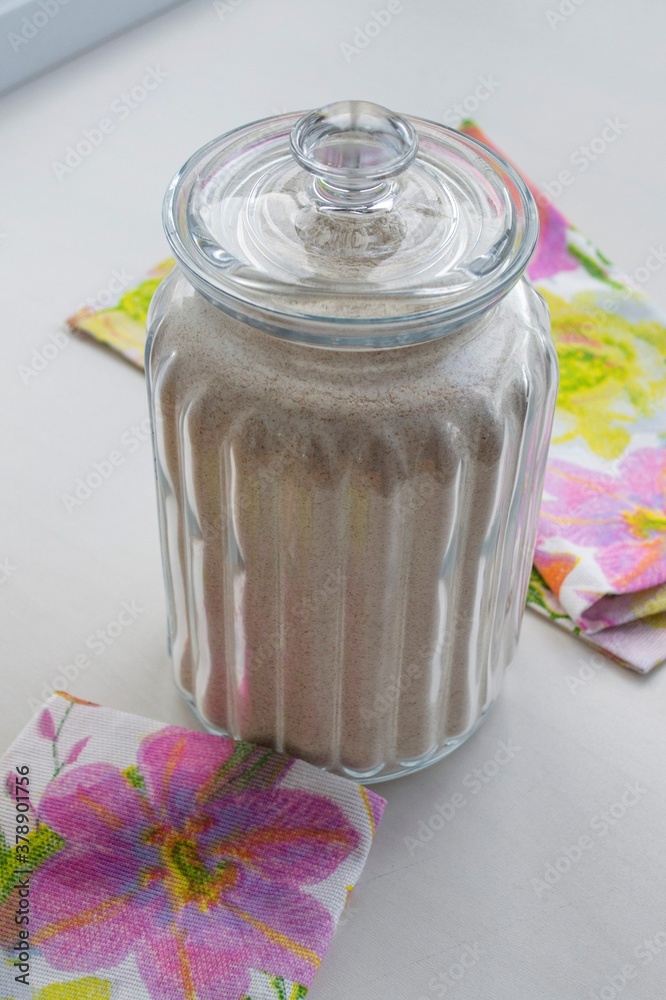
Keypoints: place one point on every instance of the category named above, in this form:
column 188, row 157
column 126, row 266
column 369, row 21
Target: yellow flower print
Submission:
column 123, row 326
column 88, row 988
column 612, row 370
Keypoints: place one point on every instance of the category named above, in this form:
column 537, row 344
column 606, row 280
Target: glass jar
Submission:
column 351, row 386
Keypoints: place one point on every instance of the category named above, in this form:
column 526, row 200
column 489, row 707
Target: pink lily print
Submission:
column 196, row 862
column 622, row 515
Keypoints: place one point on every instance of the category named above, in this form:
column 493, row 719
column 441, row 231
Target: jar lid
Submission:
column 351, row 225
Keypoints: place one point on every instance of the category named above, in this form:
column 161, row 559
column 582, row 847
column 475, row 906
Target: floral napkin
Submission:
column 147, row 862
column 600, row 560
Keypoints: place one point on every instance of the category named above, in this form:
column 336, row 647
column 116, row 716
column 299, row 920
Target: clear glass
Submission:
column 347, row 536
column 351, row 388
column 351, row 226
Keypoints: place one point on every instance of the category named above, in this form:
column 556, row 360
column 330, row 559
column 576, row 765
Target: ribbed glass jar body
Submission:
column 347, row 534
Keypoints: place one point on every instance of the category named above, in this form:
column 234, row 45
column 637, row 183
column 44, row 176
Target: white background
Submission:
column 414, row 913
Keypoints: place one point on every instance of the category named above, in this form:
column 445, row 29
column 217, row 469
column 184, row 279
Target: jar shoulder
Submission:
column 207, row 351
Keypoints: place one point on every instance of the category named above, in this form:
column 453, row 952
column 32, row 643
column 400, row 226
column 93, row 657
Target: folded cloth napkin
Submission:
column 147, row 862
column 600, row 560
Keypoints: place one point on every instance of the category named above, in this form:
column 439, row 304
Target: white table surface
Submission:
column 468, row 890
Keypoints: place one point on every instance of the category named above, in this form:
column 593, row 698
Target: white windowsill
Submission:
column 38, row 34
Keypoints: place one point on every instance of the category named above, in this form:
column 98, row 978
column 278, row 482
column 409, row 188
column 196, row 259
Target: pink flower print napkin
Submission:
column 600, row 560
column 147, row 862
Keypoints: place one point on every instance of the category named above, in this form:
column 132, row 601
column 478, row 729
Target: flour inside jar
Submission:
column 351, row 386
column 344, row 532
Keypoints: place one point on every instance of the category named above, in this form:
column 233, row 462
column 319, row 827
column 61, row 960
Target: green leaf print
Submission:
column 43, row 843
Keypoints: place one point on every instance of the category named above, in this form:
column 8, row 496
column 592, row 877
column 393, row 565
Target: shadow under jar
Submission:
column 351, row 385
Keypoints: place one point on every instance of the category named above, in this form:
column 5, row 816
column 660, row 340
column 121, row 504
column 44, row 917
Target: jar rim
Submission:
column 427, row 305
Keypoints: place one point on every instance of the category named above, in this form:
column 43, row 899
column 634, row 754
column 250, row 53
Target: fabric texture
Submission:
column 159, row 863
column 600, row 560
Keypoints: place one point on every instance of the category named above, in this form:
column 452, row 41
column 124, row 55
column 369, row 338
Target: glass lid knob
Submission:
column 355, row 150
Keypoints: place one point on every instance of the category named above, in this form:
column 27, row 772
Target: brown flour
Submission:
column 348, row 535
